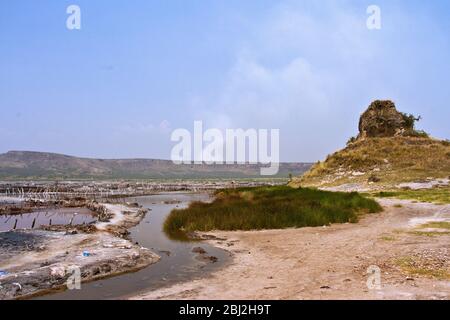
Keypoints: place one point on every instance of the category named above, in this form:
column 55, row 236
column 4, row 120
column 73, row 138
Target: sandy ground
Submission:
column 331, row 262
column 35, row 261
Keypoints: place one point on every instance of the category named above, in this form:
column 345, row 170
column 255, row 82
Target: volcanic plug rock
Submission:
column 388, row 152
column 382, row 119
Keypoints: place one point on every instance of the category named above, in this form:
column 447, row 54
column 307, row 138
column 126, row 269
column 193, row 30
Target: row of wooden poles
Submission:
column 34, row 223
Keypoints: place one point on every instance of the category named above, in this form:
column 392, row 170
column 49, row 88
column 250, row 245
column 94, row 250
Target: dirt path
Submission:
column 332, row 262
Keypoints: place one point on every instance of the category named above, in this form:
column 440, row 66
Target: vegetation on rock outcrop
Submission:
column 388, row 150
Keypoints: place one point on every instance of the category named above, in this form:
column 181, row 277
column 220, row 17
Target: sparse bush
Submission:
column 351, row 140
column 410, row 120
column 419, row 134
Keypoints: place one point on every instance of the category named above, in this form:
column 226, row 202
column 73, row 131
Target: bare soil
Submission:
column 332, row 262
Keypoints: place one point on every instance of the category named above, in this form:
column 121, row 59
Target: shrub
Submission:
column 419, row 134
column 410, row 120
column 446, row 143
column 351, row 140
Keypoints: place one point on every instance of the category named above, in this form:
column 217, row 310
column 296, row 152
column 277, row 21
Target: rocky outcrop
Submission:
column 388, row 151
column 382, row 119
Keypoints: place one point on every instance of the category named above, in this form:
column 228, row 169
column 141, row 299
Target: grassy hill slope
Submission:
column 383, row 161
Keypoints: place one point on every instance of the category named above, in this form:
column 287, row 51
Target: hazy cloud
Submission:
column 292, row 75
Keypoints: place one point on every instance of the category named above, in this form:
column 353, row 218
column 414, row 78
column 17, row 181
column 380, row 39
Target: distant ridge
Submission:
column 44, row 165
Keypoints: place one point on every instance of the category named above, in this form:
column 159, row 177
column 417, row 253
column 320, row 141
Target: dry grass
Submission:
column 438, row 195
column 414, row 266
column 429, row 233
column 391, row 160
column 436, row 225
column 388, row 238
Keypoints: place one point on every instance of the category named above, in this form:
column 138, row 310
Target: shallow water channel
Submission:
column 178, row 263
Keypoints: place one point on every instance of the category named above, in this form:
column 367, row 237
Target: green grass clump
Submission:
column 388, row 238
column 443, row 225
column 268, row 208
column 429, row 233
column 436, row 225
column 439, row 195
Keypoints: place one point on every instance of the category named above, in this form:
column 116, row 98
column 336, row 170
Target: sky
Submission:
column 137, row 70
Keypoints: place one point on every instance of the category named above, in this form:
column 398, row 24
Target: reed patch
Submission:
column 268, row 208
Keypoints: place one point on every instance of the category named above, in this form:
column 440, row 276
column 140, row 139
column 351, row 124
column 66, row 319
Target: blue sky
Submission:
column 139, row 69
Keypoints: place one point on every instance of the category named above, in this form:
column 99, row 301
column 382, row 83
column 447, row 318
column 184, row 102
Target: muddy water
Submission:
column 43, row 217
column 178, row 262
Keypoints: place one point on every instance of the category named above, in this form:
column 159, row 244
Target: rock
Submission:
column 135, row 256
column 95, row 271
column 213, row 259
column 174, row 201
column 373, row 178
column 382, row 119
column 58, row 271
column 134, row 204
column 199, row 250
column 106, row 268
column 167, row 253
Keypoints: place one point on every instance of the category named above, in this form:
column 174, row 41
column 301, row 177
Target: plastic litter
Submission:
column 19, row 286
column 86, row 254
column 3, row 273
